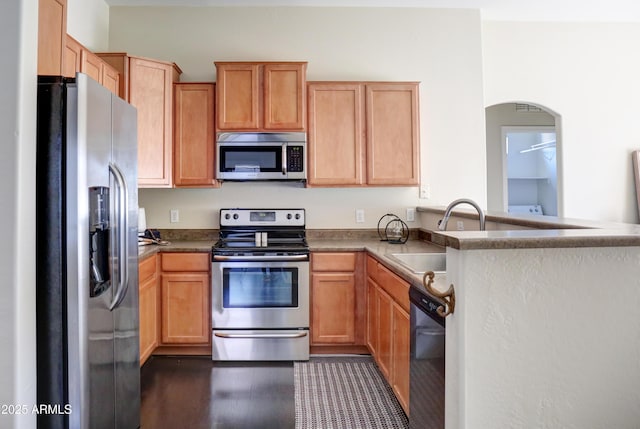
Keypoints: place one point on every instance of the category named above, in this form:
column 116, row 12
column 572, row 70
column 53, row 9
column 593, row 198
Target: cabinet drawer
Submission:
column 397, row 288
column 372, row 268
column 335, row 262
column 186, row 261
column 147, row 269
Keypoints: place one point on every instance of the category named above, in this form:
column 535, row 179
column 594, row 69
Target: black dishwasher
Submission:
column 426, row 385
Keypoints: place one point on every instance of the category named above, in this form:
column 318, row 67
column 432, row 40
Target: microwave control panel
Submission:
column 295, row 159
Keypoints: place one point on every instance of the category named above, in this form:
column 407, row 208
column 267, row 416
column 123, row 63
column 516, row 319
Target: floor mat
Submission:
column 344, row 393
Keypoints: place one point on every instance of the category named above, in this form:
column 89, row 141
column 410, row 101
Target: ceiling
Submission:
column 499, row 10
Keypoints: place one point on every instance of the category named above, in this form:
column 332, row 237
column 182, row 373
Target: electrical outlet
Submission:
column 175, row 216
column 360, row 215
column 460, row 225
column 411, row 214
column 425, row 192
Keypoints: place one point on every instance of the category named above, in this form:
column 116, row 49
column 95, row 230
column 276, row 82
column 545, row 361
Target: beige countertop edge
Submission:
column 531, row 239
column 532, row 221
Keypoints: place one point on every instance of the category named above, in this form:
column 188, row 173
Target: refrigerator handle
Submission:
column 123, row 239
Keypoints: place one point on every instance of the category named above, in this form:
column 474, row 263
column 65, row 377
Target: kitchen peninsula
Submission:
column 546, row 327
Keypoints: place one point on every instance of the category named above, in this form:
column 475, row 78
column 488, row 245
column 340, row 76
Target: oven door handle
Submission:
column 261, row 258
column 296, row 335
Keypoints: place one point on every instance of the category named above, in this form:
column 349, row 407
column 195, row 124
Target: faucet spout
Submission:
column 442, row 224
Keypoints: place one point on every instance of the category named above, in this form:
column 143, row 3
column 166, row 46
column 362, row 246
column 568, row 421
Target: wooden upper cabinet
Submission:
column 110, row 78
column 358, row 124
column 91, row 64
column 72, row 60
column 336, row 134
column 284, row 96
column 52, row 32
column 147, row 84
column 77, row 58
column 392, row 134
column 194, row 137
column 238, row 96
column 150, row 91
column 261, row 96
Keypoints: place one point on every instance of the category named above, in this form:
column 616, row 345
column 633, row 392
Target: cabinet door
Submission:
column 52, row 33
column 149, row 305
column 148, row 301
column 111, row 78
column 91, row 64
column 384, row 350
column 333, row 308
column 392, row 134
column 336, row 134
column 238, row 96
column 401, row 346
column 372, row 317
column 284, row 96
column 194, row 135
column 185, row 308
column 150, row 91
column 72, row 57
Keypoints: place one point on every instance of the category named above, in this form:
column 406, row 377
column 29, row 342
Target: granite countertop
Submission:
column 378, row 249
column 550, row 232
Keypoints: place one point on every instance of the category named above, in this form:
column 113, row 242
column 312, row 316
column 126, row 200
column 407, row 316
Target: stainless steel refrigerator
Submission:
column 88, row 370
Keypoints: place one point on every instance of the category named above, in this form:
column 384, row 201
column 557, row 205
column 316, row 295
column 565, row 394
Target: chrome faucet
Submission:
column 442, row 223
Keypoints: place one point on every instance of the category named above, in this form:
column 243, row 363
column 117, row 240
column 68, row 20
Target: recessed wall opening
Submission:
column 523, row 159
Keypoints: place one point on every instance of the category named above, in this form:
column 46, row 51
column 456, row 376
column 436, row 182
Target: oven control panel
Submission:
column 262, row 217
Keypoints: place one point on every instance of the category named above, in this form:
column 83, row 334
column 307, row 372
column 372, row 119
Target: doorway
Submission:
column 523, row 159
column 530, row 177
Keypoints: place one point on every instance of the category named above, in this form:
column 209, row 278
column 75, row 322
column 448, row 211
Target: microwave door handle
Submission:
column 284, row 159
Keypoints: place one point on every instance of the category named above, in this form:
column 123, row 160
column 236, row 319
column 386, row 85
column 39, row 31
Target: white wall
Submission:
column 18, row 44
column 538, row 343
column 588, row 74
column 88, row 23
column 440, row 48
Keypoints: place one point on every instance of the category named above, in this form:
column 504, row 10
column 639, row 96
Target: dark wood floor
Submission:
column 194, row 393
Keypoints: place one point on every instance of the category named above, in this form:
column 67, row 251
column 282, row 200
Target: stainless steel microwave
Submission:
column 261, row 156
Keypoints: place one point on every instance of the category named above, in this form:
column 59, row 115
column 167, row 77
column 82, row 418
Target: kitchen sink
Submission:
column 422, row 262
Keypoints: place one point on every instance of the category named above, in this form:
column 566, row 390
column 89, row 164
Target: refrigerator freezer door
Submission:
column 105, row 349
column 90, row 323
column 127, row 342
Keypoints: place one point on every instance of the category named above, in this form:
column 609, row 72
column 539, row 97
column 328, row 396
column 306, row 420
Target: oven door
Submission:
column 247, row 161
column 260, row 295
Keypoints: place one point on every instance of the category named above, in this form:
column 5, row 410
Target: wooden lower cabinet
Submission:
column 338, row 300
column 388, row 327
column 401, row 354
column 185, row 300
column 384, row 355
column 185, row 308
column 372, row 316
column 149, row 305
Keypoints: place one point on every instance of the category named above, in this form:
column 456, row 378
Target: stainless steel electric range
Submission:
column 260, row 286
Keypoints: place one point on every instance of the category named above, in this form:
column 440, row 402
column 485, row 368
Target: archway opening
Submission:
column 523, row 159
